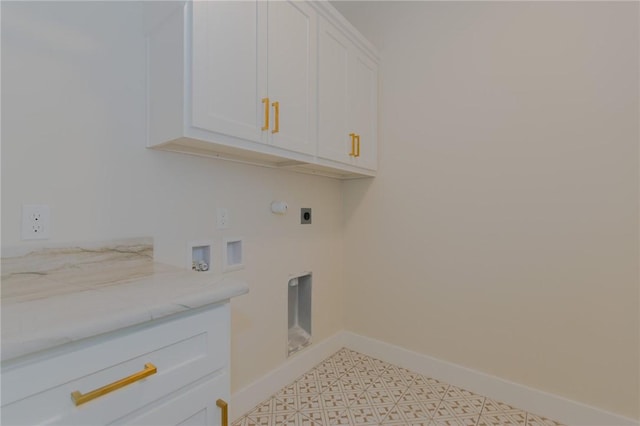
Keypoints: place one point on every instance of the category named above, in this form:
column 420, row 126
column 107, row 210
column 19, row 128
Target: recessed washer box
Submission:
column 199, row 256
column 233, row 254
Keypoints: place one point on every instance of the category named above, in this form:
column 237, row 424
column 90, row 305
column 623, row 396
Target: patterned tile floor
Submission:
column 350, row 388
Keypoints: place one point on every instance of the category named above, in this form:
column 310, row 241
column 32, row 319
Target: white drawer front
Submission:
column 183, row 349
column 196, row 406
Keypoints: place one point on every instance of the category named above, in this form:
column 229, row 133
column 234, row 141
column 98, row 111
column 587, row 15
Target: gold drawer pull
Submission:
column 276, row 110
column 353, row 145
column 265, row 101
column 79, row 398
column 224, row 407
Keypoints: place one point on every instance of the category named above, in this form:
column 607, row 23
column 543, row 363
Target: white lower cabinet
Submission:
column 165, row 372
column 194, row 407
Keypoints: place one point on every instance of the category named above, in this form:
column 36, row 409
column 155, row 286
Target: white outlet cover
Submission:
column 36, row 222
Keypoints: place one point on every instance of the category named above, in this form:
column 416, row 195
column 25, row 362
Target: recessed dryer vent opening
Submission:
column 299, row 289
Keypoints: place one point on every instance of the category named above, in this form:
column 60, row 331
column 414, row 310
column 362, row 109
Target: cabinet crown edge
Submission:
column 326, row 9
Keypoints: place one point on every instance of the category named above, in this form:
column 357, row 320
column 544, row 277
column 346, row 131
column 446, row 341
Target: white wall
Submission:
column 500, row 234
column 73, row 123
column 502, row 230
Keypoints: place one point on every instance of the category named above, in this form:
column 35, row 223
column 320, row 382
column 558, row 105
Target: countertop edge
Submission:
column 120, row 318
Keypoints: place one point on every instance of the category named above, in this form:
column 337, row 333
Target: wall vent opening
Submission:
column 299, row 290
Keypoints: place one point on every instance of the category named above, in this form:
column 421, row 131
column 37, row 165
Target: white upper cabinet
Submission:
column 253, row 68
column 347, row 101
column 363, row 109
column 333, row 96
column 292, row 75
column 228, row 68
column 245, row 80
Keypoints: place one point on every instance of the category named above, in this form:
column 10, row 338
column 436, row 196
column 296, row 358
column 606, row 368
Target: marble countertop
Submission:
column 60, row 295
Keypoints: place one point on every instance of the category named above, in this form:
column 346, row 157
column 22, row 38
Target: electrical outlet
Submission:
column 36, row 222
column 223, row 218
column 305, row 216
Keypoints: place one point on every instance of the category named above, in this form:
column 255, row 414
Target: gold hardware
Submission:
column 79, row 398
column 276, row 109
column 224, row 407
column 358, row 145
column 265, row 101
column 353, row 145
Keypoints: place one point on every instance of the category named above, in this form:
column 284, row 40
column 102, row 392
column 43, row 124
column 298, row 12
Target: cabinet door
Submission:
column 334, row 142
column 363, row 101
column 196, row 406
column 228, row 63
column 292, row 60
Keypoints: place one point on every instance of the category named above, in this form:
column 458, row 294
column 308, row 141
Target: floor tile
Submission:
column 370, row 366
column 425, row 407
column 272, row 406
column 333, row 369
column 515, row 418
column 428, row 388
column 341, row 418
column 360, row 416
column 458, row 402
column 406, row 423
column 533, row 420
column 350, row 388
column 289, row 397
column 455, row 421
column 298, row 419
column 394, row 390
column 410, row 412
column 492, row 406
column 339, row 394
column 270, row 413
column 322, row 416
column 376, row 402
column 331, row 403
column 397, row 376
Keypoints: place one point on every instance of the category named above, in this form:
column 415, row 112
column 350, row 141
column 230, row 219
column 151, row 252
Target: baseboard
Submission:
column 248, row 397
column 528, row 399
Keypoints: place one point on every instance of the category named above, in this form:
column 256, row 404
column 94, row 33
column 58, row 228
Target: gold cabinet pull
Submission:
column 224, row 408
column 265, row 101
column 358, row 145
column 78, row 398
column 276, row 110
column 353, row 145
